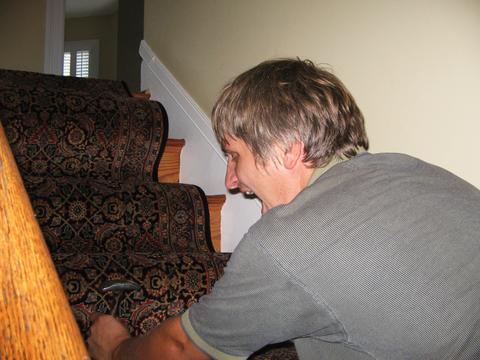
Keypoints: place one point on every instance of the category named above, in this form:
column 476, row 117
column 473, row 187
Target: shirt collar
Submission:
column 335, row 161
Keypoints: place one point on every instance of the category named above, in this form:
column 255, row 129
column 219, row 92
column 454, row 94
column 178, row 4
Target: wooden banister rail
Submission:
column 36, row 319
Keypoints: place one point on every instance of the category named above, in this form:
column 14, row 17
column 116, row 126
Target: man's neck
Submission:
column 289, row 187
column 317, row 172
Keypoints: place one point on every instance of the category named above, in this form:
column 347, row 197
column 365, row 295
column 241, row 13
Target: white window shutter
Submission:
column 81, row 58
column 67, row 60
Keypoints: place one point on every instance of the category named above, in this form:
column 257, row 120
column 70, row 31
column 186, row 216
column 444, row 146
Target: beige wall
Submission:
column 22, row 34
column 412, row 65
column 103, row 28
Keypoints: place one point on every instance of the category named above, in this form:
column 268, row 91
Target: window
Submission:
column 83, row 58
column 80, row 58
column 67, row 56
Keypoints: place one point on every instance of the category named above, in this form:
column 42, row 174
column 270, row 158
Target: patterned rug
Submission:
column 79, row 134
column 169, row 284
column 66, row 84
column 89, row 216
column 89, row 153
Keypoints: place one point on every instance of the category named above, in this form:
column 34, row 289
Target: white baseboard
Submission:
column 202, row 161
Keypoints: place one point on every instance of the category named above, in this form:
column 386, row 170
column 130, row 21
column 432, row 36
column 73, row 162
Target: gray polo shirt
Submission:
column 378, row 259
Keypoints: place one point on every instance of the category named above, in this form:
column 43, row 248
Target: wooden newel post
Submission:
column 36, row 321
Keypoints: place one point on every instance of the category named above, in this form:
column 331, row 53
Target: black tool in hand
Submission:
column 118, row 287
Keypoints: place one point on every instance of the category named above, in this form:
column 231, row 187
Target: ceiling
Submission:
column 82, row 8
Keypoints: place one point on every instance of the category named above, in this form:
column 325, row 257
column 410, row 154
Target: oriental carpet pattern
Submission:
column 88, row 154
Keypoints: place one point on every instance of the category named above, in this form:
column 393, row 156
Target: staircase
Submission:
column 160, row 259
column 169, row 172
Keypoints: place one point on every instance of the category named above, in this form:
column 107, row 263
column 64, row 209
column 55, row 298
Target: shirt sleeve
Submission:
column 254, row 304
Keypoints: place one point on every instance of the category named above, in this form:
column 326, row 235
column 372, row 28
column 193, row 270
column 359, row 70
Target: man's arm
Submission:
column 110, row 340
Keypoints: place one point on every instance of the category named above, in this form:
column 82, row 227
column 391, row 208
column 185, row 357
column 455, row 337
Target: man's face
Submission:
column 245, row 174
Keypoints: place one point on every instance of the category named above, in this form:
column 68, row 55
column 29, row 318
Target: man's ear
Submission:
column 294, row 155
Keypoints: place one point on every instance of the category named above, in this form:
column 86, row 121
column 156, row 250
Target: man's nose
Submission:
column 231, row 180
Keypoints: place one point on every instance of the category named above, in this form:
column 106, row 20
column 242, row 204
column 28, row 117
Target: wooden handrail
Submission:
column 36, row 319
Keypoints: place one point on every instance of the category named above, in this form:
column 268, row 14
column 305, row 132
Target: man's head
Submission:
column 282, row 102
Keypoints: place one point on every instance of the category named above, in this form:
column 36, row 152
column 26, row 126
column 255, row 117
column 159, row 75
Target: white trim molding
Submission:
column 54, row 37
column 202, row 160
column 196, row 116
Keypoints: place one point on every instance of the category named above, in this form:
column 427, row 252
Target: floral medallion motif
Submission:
column 156, row 283
column 75, row 285
column 113, row 208
column 43, row 211
column 76, row 136
column 77, row 211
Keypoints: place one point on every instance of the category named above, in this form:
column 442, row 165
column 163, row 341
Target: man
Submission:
column 356, row 256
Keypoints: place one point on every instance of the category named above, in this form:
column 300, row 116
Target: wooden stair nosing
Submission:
column 145, row 94
column 169, row 167
column 215, row 204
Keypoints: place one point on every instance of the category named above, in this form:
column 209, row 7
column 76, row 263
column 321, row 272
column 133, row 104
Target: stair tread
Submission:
column 169, row 171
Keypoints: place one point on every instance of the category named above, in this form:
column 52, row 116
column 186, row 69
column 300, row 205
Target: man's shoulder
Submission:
column 394, row 171
column 352, row 190
column 387, row 162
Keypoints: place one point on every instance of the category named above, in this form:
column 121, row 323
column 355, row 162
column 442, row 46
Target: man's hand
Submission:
column 106, row 334
column 110, row 340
